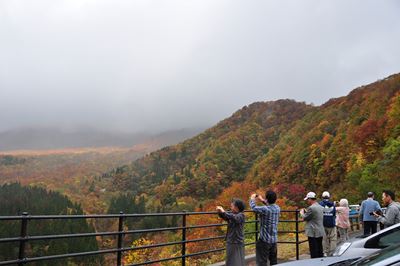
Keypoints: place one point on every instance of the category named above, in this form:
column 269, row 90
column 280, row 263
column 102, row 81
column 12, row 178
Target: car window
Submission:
column 379, row 256
column 389, row 239
column 384, row 240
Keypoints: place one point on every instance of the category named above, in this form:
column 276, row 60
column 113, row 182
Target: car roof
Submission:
column 319, row 261
column 353, row 240
column 385, row 256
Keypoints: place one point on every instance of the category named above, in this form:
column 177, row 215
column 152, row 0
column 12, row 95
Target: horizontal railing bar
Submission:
column 107, row 216
column 155, row 261
column 288, row 232
column 152, row 246
column 91, row 253
column 10, row 239
column 61, row 256
column 204, row 252
column 173, row 243
column 128, row 232
column 9, row 262
column 204, row 239
column 205, row 226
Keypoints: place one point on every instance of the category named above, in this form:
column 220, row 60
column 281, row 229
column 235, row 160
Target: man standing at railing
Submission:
column 266, row 246
column 314, row 217
column 330, row 237
column 368, row 206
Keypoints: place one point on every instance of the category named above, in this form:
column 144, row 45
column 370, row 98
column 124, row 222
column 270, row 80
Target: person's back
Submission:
column 314, row 227
column 235, row 255
column 367, row 207
column 235, row 230
column 329, row 212
column 266, row 246
column 342, row 219
column 315, row 222
column 370, row 222
column 330, row 238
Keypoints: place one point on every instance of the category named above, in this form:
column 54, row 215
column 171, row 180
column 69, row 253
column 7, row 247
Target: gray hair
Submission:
column 344, row 203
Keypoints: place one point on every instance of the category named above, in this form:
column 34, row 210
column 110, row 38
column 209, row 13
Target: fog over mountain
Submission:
column 52, row 138
column 152, row 66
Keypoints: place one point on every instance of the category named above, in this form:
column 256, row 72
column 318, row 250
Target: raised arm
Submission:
column 255, row 208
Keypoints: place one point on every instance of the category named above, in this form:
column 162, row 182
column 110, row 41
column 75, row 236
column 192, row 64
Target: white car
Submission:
column 389, row 256
column 321, row 261
column 366, row 246
column 352, row 252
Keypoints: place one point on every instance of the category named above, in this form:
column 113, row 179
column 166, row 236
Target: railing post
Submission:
column 256, row 226
column 120, row 237
column 184, row 238
column 22, row 241
column 297, row 234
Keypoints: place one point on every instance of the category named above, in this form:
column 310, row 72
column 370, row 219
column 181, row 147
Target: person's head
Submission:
column 370, row 194
column 388, row 196
column 311, row 198
column 344, row 203
column 326, row 195
column 237, row 206
column 270, row 196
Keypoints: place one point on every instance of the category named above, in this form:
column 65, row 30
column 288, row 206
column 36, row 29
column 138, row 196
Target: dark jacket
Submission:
column 235, row 232
column 329, row 213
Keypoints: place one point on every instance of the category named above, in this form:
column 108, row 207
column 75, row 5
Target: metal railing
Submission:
column 24, row 236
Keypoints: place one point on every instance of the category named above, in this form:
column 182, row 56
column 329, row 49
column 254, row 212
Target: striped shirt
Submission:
column 269, row 218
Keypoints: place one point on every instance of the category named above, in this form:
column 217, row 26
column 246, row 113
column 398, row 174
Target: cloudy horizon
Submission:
column 161, row 65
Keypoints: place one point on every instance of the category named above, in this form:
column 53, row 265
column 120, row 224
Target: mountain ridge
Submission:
column 272, row 143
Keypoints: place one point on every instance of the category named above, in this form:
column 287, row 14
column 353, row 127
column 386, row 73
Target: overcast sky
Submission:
column 158, row 65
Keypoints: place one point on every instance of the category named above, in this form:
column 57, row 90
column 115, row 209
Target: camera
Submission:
column 379, row 212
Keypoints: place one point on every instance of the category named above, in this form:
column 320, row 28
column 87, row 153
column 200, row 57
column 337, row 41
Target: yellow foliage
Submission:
column 141, row 255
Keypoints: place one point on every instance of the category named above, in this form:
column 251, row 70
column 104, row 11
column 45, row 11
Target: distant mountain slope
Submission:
column 202, row 166
column 348, row 145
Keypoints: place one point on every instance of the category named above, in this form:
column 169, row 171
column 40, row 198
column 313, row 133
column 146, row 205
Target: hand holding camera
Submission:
column 220, row 209
column 376, row 213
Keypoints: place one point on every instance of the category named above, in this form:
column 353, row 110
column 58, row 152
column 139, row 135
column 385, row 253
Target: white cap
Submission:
column 326, row 194
column 310, row 195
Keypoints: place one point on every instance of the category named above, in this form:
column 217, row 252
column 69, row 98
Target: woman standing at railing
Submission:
column 343, row 220
column 235, row 233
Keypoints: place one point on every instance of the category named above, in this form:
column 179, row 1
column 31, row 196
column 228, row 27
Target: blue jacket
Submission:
column 367, row 206
column 329, row 213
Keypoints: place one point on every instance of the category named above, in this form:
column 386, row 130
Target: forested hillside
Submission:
column 201, row 167
column 16, row 199
column 348, row 145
